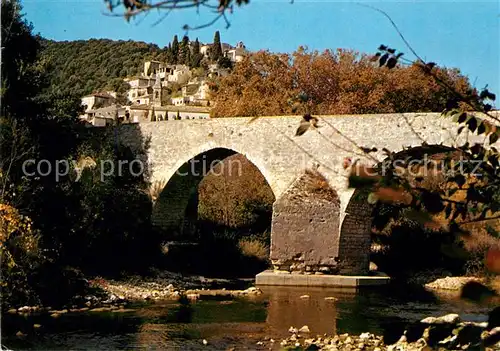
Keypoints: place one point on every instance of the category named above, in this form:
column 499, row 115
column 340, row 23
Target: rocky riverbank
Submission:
column 452, row 283
column 116, row 295
column 477, row 288
column 433, row 333
column 125, row 290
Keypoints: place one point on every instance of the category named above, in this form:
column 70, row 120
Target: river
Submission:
column 239, row 323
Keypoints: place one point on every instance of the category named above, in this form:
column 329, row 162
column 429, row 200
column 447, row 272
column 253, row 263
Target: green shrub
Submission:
column 254, row 248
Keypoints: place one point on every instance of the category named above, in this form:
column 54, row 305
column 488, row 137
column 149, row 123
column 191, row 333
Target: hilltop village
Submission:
column 166, row 91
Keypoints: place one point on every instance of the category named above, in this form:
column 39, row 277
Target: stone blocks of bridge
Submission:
column 306, row 235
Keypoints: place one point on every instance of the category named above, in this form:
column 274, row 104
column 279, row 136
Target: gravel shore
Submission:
column 433, row 333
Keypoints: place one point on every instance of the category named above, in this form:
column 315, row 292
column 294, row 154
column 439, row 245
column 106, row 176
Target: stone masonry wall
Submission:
column 355, row 237
column 305, row 227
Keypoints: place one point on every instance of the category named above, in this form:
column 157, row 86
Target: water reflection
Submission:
column 236, row 323
column 384, row 311
column 289, row 307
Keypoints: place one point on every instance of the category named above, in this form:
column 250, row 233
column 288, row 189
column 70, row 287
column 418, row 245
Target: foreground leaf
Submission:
column 394, row 196
column 363, row 176
column 492, row 260
column 303, row 127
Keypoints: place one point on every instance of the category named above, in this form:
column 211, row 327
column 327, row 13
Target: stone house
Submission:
column 180, row 101
column 139, row 87
column 97, row 100
column 179, row 74
column 205, row 50
column 151, row 68
column 104, row 116
column 145, row 99
column 201, row 96
column 236, row 54
column 214, row 70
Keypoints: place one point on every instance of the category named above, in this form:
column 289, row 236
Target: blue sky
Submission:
column 462, row 34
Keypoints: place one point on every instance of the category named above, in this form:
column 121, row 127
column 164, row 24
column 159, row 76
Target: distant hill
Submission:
column 84, row 66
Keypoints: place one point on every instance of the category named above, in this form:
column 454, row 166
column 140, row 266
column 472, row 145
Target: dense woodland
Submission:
column 84, row 66
column 50, row 228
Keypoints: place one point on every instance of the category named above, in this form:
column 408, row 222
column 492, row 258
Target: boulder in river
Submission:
column 451, row 318
column 304, row 329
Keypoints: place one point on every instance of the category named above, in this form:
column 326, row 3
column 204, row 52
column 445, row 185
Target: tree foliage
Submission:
column 185, row 51
column 21, row 77
column 216, row 49
column 472, row 169
column 71, row 222
column 19, row 252
column 196, row 56
column 174, row 50
column 331, row 82
column 236, row 195
column 85, row 66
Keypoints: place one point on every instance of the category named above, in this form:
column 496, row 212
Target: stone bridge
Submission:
column 312, row 230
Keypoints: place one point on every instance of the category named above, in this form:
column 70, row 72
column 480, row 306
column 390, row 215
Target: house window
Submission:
column 157, row 95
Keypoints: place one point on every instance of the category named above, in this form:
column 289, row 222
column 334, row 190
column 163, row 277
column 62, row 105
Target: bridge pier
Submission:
column 309, row 247
column 305, row 227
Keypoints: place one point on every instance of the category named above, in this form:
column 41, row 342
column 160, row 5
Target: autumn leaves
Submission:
column 330, row 82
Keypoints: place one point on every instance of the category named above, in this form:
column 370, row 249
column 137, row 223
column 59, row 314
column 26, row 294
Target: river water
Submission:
column 239, row 323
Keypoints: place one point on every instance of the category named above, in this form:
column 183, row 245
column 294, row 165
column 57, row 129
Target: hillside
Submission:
column 83, row 66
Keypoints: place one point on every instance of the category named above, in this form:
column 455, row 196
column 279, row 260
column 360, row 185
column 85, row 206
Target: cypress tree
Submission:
column 196, row 56
column 169, row 54
column 216, row 50
column 175, row 50
column 184, row 51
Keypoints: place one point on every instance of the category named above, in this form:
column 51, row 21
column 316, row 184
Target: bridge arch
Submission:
column 179, row 196
column 208, row 150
